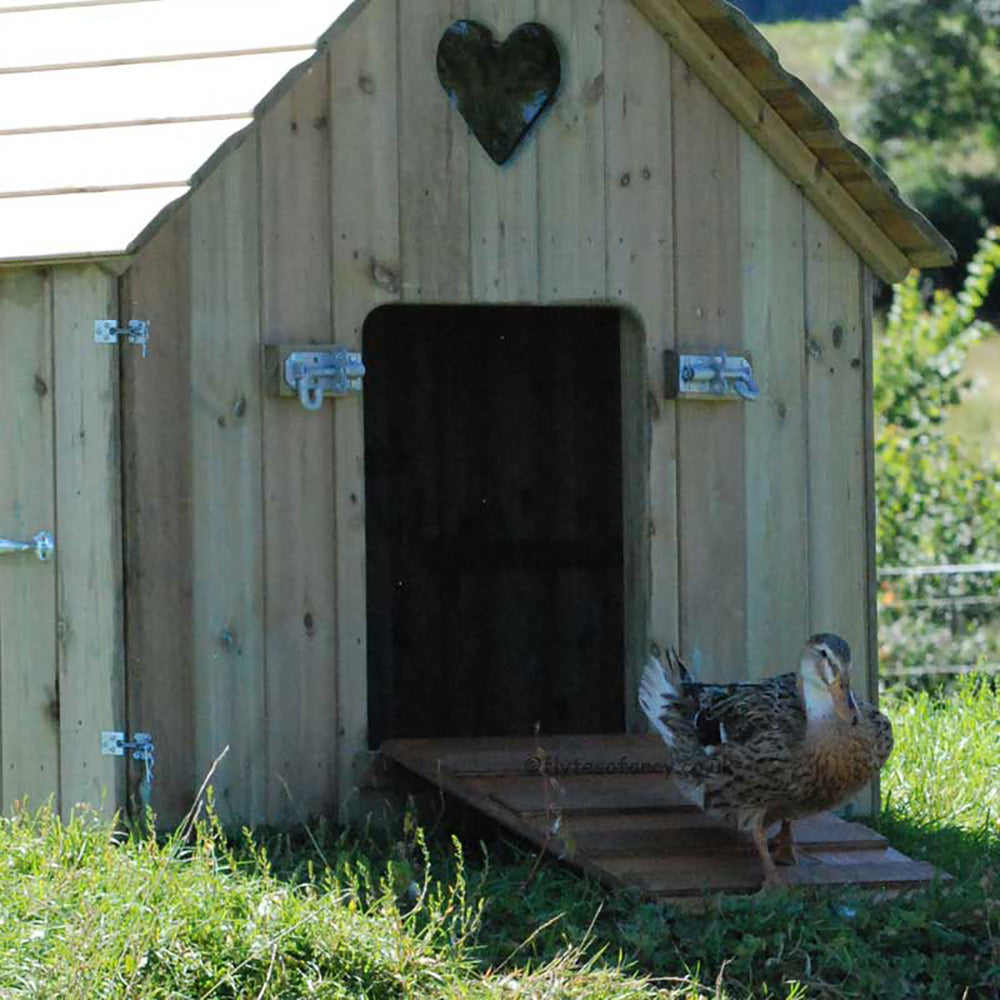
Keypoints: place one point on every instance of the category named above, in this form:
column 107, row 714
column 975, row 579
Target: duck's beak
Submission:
column 844, row 703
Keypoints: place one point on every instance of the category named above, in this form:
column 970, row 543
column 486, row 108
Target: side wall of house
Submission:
column 361, row 185
column 61, row 649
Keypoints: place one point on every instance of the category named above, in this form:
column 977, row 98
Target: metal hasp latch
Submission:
column 43, row 545
column 316, row 374
column 709, row 376
column 141, row 746
column 107, row 331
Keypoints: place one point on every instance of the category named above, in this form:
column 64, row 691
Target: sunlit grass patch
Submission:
column 87, row 912
column 941, row 787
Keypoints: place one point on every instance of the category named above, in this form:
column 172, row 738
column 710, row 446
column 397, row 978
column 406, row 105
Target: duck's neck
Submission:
column 818, row 703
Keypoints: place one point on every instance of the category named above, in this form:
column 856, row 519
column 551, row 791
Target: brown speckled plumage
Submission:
column 752, row 754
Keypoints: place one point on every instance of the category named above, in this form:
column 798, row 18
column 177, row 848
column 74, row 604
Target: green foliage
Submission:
column 929, row 73
column 938, row 499
column 929, row 68
column 86, row 912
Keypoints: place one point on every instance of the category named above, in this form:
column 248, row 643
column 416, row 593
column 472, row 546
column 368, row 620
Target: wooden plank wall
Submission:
column 841, row 514
column 300, row 628
column 365, row 181
column 158, row 514
column 775, row 426
column 362, row 186
column 226, row 485
column 640, row 241
column 503, row 209
column 835, row 350
column 88, row 536
column 61, row 642
column 29, row 679
column 711, row 469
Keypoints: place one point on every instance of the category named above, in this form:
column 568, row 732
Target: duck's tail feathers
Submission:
column 687, row 676
column 660, row 689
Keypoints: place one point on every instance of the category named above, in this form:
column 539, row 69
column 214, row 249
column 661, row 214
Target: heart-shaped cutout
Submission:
column 499, row 88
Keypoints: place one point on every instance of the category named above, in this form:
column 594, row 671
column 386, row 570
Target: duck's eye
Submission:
column 824, row 654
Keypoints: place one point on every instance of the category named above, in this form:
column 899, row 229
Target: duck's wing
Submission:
column 732, row 746
column 753, row 734
column 881, row 737
column 741, row 713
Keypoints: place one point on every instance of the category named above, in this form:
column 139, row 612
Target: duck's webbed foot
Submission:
column 781, row 846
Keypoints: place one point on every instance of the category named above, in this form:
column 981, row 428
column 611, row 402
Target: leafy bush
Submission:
column 938, row 498
column 929, row 68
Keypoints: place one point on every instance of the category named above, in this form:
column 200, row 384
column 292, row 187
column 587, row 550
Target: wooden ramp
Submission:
column 605, row 805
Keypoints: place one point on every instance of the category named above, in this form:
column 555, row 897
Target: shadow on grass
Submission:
column 959, row 851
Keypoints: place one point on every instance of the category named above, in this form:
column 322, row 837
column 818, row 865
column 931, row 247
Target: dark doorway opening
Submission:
column 494, row 498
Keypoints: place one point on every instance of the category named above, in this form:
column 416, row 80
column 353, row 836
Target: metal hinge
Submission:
column 708, row 376
column 107, row 331
column 141, row 745
column 314, row 375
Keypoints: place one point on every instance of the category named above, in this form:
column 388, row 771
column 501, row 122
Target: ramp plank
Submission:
column 624, row 833
column 529, row 755
column 581, row 793
column 632, row 828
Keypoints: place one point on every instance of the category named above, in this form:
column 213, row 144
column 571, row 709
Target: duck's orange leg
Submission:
column 772, row 878
column 782, row 845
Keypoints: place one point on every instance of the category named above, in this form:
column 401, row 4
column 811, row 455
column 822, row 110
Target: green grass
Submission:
column 941, row 786
column 86, row 912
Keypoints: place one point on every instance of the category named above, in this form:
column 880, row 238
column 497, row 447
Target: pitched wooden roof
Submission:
column 802, row 135
column 107, row 107
column 77, row 205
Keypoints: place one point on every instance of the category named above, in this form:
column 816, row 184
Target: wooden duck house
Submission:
column 510, row 339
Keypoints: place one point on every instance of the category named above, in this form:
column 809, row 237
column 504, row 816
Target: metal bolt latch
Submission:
column 115, row 745
column 43, row 545
column 709, row 376
column 107, row 331
column 317, row 374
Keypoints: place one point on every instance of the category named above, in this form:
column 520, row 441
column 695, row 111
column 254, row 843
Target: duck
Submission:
column 759, row 753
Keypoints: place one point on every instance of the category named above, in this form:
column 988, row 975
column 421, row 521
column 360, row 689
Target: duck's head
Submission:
column 825, row 679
